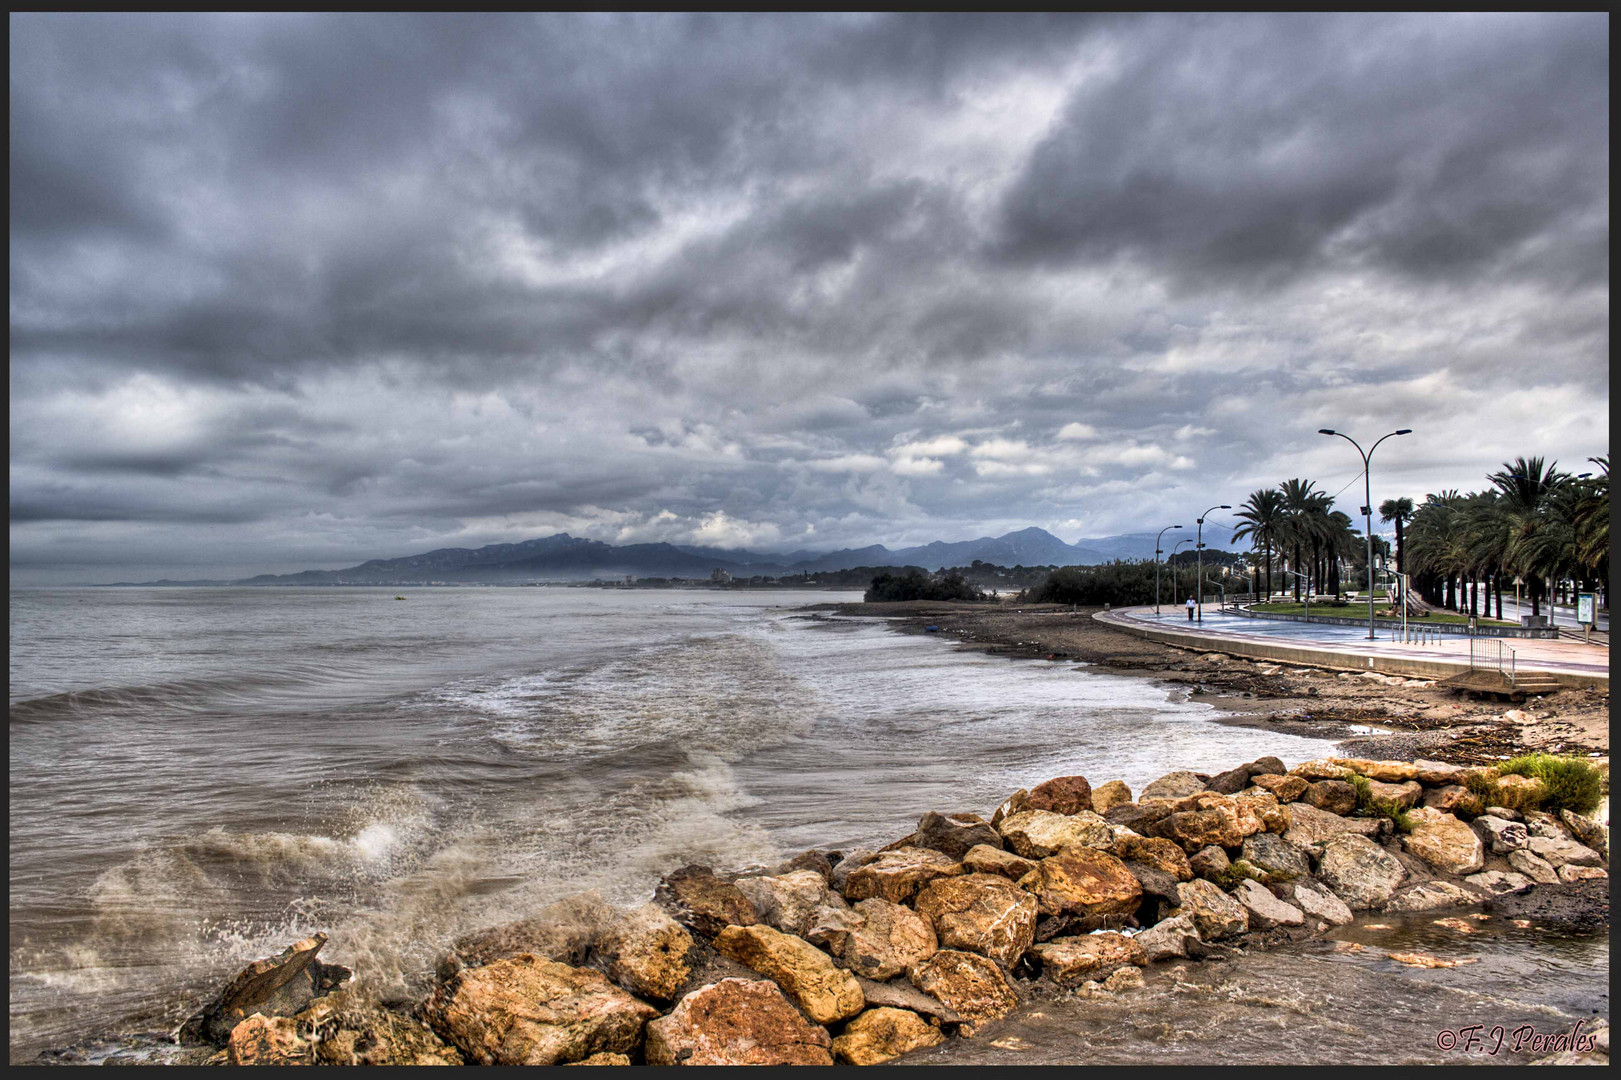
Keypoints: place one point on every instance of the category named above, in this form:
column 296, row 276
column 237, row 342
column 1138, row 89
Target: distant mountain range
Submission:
column 569, row 558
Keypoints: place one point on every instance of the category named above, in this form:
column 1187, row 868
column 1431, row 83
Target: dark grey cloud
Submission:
column 327, row 287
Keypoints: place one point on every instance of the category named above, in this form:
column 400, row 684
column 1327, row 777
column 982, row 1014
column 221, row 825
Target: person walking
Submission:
column 1190, row 609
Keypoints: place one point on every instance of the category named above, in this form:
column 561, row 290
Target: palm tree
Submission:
column 1400, row 511
column 1486, row 526
column 1528, row 491
column 1264, row 521
column 1299, row 503
column 1592, row 521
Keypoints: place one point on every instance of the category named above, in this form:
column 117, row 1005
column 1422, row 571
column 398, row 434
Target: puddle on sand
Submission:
column 1322, row 1002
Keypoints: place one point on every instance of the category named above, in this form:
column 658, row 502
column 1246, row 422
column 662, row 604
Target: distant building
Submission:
column 720, row 577
column 630, row 579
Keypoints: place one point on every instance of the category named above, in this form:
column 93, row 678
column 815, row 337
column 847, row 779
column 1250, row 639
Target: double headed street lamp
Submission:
column 1367, row 501
column 1199, row 547
column 1157, row 539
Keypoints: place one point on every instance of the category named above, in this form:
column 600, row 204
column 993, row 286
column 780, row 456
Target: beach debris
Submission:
column 1462, row 926
column 1425, row 960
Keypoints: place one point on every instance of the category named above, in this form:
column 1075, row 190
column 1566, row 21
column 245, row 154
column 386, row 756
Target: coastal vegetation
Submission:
column 1562, row 783
column 913, row 584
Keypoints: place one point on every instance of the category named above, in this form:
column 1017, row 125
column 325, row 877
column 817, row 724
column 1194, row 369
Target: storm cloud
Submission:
column 294, row 291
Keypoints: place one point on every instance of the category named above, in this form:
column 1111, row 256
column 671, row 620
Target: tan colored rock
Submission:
column 1138, row 816
column 1519, row 792
column 279, row 985
column 1265, row 910
column 699, row 900
column 527, row 1011
column 889, row 939
column 1498, row 883
column 786, row 902
column 737, row 1022
column 901, row 994
column 1359, row 871
column 1563, row 852
column 1062, row 795
column 824, row 992
column 1036, row 834
column 603, row 1058
column 1439, row 774
column 1571, row 873
column 880, row 1035
column 1010, row 805
column 1084, row 882
column 1176, row 785
column 1534, row 867
column 1114, row 793
column 1210, row 862
column 1215, row 914
column 1446, row 798
column 1587, row 832
column 1445, row 843
column 832, row 926
column 562, row 931
column 1322, row 904
column 1156, row 851
column 984, row 859
column 1169, row 938
column 346, row 1029
column 897, row 875
column 1320, row 770
column 1331, row 796
column 1276, row 857
column 1431, row 896
column 645, row 951
column 1287, row 789
column 1405, row 795
column 1390, row 772
column 267, row 1040
column 1072, row 960
column 1199, row 829
column 980, row 913
column 974, row 986
column 1309, row 826
column 852, row 861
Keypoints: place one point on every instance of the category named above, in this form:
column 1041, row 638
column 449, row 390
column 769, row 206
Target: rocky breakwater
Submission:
column 865, row 956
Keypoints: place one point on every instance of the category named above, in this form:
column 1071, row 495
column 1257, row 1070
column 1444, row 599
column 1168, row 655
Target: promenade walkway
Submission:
column 1347, row 648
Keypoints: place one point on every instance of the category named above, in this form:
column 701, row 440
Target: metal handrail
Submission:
column 1490, row 654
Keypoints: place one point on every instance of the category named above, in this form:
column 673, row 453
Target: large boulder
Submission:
column 1431, row 896
column 1084, row 882
column 703, row 902
column 1036, row 834
column 1320, row 770
column 903, row 995
column 1438, row 774
column 822, row 990
column 340, row 1028
column 954, row 834
column 1168, row 938
column 1563, row 852
column 980, row 913
column 737, row 1022
column 524, row 1010
column 1138, row 816
column 1176, row 785
column 1266, row 766
column 1534, row 867
column 814, row 859
column 1403, row 796
column 1571, row 873
column 1309, row 826
column 1072, row 960
column 1321, row 904
column 787, row 902
column 1155, row 882
column 1197, row 829
column 1265, row 910
column 1110, row 795
column 1215, row 914
column 1360, row 872
column 897, row 875
column 884, row 1034
column 1445, row 843
column 1333, row 796
column 1010, row 805
column 1447, row 798
column 279, row 985
column 1062, row 795
column 645, row 951
column 1498, row 882
column 1230, row 782
column 889, row 939
column 563, row 931
column 1155, row 851
column 1392, row 772
column 983, row 859
column 851, row 862
column 1286, row 788
column 972, row 985
column 1209, row 863
column 1281, row 860
column 832, row 925
column 1587, row 831
column 267, row 1040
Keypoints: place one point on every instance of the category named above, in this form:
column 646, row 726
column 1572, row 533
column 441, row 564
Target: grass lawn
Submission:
column 1353, row 610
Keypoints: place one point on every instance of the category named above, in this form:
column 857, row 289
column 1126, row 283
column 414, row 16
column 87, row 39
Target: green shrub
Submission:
column 1233, row 874
column 1568, row 783
column 913, row 584
column 1369, row 805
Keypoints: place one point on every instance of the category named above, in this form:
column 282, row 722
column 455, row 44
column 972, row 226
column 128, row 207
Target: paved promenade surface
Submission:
column 1349, row 647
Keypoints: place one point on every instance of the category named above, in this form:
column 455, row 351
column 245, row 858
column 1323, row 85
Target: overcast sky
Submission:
column 297, row 291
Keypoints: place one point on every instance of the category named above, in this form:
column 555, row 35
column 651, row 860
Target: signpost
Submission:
column 1586, row 614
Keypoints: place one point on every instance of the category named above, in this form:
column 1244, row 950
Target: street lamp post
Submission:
column 1157, row 539
column 1367, row 501
column 1199, row 547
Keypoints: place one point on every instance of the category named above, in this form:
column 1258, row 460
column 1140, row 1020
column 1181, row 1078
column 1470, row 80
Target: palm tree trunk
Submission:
column 1497, row 583
column 1400, row 569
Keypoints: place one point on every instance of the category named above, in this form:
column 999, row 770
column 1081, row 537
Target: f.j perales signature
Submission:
column 1480, row 1039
